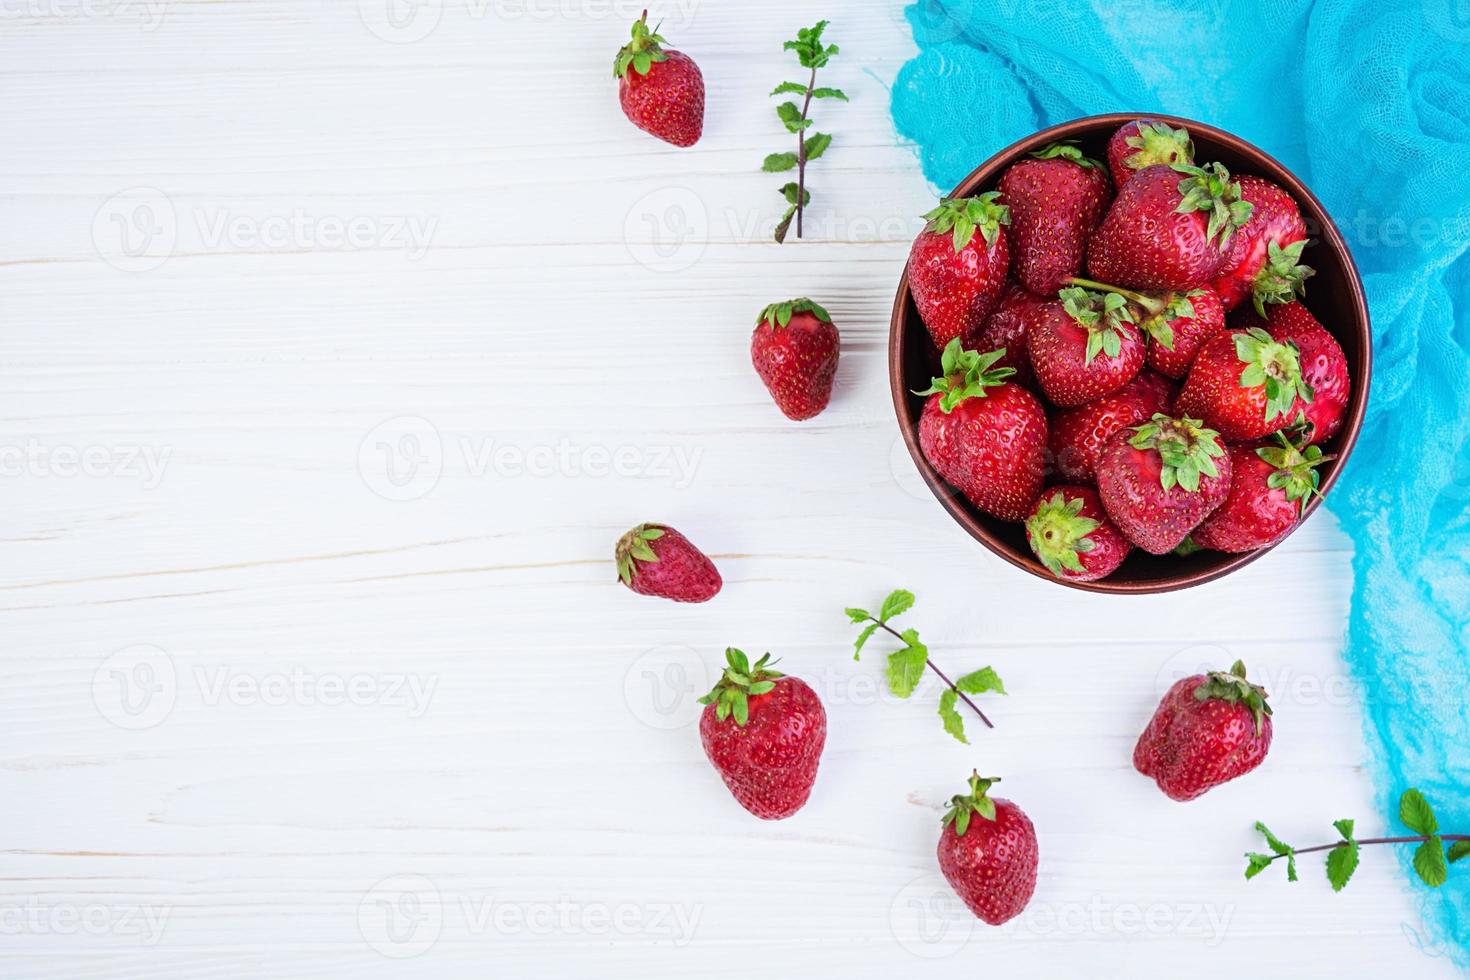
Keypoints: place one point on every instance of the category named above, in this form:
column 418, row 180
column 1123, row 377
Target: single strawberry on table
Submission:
column 1143, row 143
column 1158, row 481
column 1264, row 263
column 1071, row 534
column 660, row 89
column 1079, row 434
column 988, row 853
column 1324, row 368
column 1057, row 196
column 1170, row 227
column 984, row 434
column 1246, row 384
column 1083, row 345
column 1269, row 488
column 955, row 275
column 1006, row 328
column 656, row 560
column 794, row 349
column 763, row 731
column 1208, row 730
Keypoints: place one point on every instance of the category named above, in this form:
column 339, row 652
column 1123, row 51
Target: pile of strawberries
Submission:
column 1166, row 412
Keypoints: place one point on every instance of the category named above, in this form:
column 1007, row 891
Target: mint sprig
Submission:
column 812, row 54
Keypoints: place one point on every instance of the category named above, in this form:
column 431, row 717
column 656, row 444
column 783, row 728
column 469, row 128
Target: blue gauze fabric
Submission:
column 1368, row 101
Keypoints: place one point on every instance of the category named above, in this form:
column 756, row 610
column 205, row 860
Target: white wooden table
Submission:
column 338, row 349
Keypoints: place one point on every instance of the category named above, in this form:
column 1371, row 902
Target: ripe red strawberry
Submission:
column 1269, row 486
column 1072, row 536
column 1159, row 480
column 988, row 853
column 794, row 350
column 654, row 559
column 1006, row 328
column 1056, row 196
column 1246, row 384
column 986, row 436
column 1264, row 256
column 764, row 733
column 1170, row 227
column 1323, row 366
column 1143, row 143
column 1078, row 434
column 1083, row 345
column 1176, row 334
column 955, row 277
column 1208, row 729
column 661, row 90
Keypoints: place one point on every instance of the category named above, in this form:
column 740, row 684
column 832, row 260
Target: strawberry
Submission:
column 1071, row 535
column 1323, row 366
column 1083, row 345
column 1159, row 480
column 1056, row 197
column 955, row 277
column 1181, row 329
column 1078, row 434
column 1208, row 729
column 764, row 733
column 794, row 350
column 1169, row 228
column 1269, row 486
column 988, row 853
column 1246, row 384
column 654, row 559
column 987, row 437
column 1143, row 143
column 1263, row 262
column 661, row 90
column 1006, row 328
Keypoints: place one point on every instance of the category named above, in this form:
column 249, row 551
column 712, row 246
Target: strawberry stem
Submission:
column 1152, row 305
column 942, row 676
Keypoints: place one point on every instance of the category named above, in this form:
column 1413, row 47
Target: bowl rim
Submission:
column 1330, row 236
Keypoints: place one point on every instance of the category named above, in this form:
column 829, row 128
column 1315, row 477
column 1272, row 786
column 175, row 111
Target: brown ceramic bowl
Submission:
column 1334, row 295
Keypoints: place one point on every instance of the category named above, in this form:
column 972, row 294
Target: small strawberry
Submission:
column 654, row 559
column 1143, row 143
column 1078, row 434
column 1170, row 227
column 1072, row 536
column 1056, row 196
column 1323, row 365
column 986, row 436
column 955, row 277
column 764, row 733
column 1006, row 328
column 1083, row 345
column 794, row 350
column 1264, row 256
column 661, row 90
column 1269, row 486
column 988, row 853
column 1246, row 384
column 1158, row 481
column 1208, row 729
column 1181, row 329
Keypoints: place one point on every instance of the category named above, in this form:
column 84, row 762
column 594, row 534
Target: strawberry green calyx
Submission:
column 1275, row 365
column 1188, row 450
column 1101, row 315
column 634, row 544
column 780, row 314
column 967, row 374
column 739, row 683
column 1060, row 533
column 1158, row 142
column 1068, row 150
column 1233, row 687
column 1283, row 278
column 1209, row 188
column 962, row 216
column 1296, row 469
column 642, row 51
column 964, row 806
column 1178, row 306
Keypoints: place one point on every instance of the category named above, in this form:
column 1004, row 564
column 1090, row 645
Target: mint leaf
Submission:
column 1344, row 827
column 1429, row 862
column 948, row 712
column 791, row 117
column 1458, row 850
column 775, row 163
column 863, row 637
column 857, row 615
column 790, row 88
column 1256, row 863
column 980, row 681
column 1272, row 841
column 899, row 601
column 1416, row 813
column 816, row 144
column 829, row 93
column 906, row 667
column 1341, row 863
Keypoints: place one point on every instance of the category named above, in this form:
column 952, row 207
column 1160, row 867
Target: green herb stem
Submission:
column 806, row 106
column 1370, row 840
column 942, row 676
